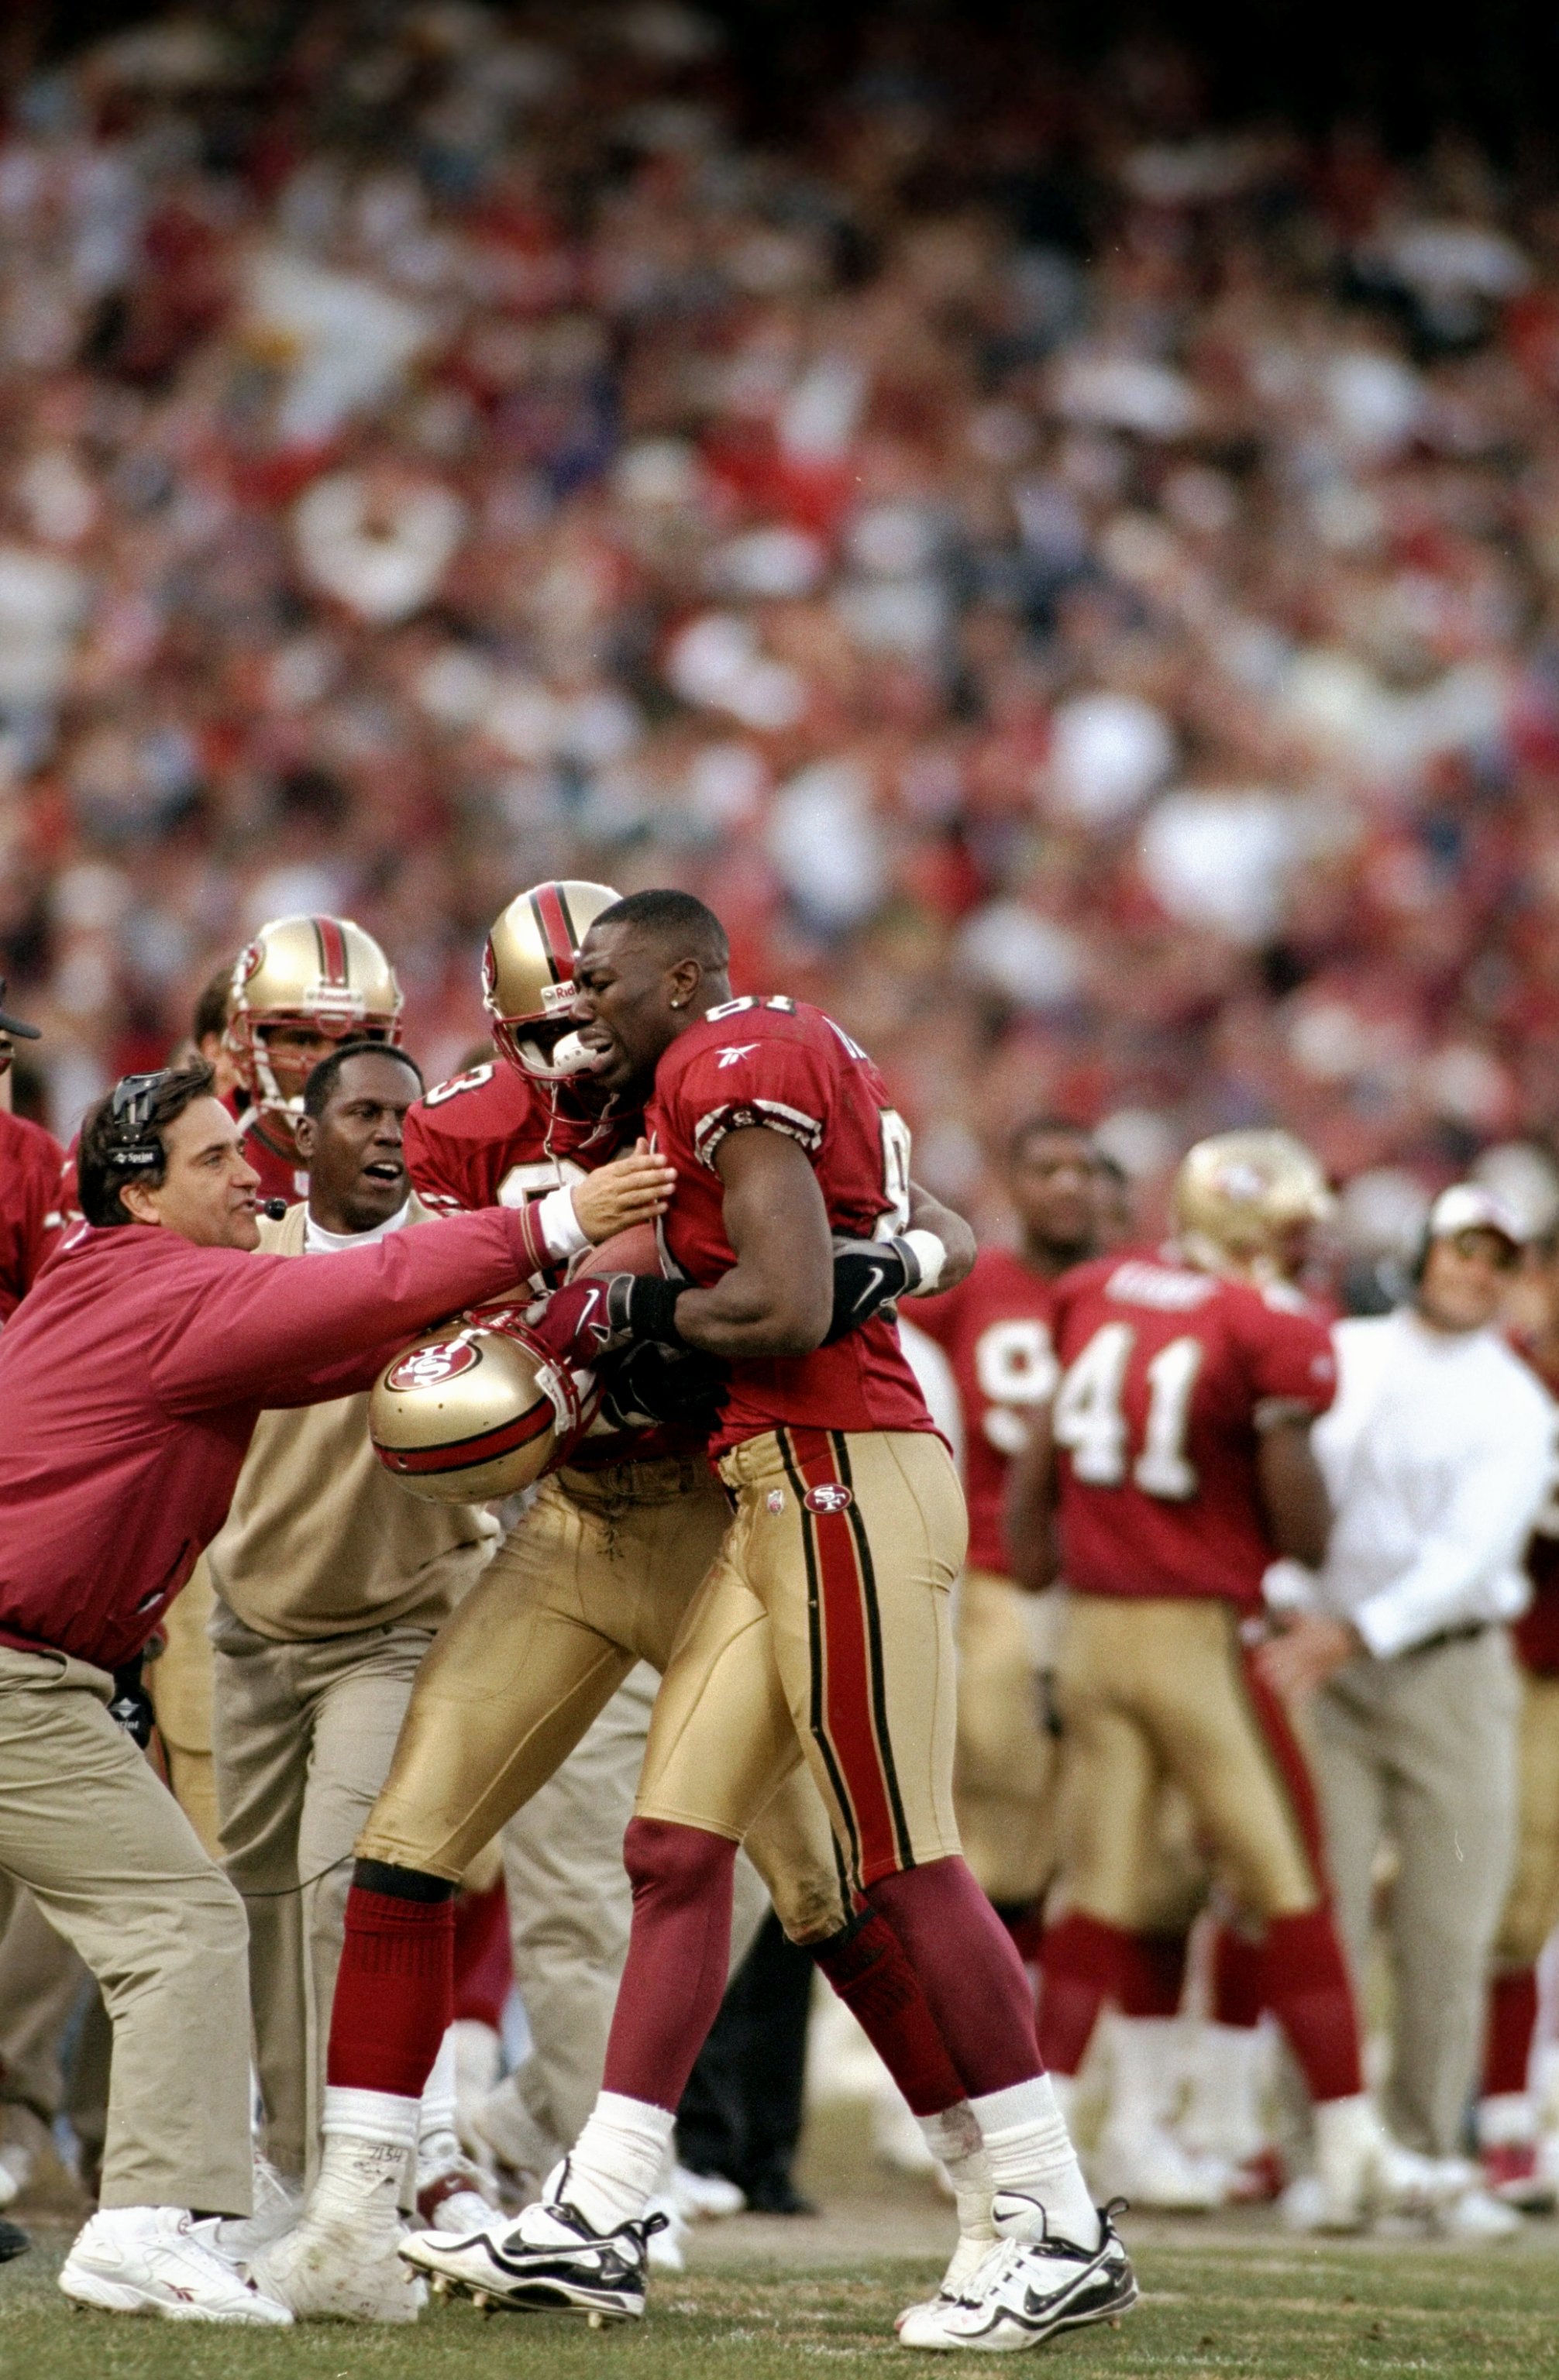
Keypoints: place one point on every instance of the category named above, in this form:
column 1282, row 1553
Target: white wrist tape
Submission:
column 932, row 1256
column 560, row 1226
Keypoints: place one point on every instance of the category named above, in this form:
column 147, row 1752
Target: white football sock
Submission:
column 381, row 2116
column 437, row 2144
column 614, row 2166
column 1030, row 2150
column 953, row 2138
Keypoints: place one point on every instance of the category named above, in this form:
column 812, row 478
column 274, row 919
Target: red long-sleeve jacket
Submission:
column 130, row 1382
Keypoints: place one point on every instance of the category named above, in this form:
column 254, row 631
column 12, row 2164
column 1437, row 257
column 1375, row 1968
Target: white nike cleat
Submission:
column 153, row 2260
column 966, row 2260
column 1146, row 2165
column 338, row 2262
column 1032, row 2286
column 547, row 2261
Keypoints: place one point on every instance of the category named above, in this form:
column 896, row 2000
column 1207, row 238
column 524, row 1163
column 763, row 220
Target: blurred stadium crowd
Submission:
column 1074, row 587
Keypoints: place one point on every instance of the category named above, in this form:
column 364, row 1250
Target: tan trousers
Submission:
column 304, row 1734
column 1155, row 1692
column 115, row 1864
column 180, row 1683
column 823, row 1633
column 569, row 1914
column 1421, row 1751
column 40, row 1981
column 595, row 1577
column 1004, row 1776
column 1532, row 1908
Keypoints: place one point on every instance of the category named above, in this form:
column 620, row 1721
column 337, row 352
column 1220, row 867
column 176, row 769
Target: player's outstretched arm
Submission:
column 929, row 1214
column 633, row 1189
column 777, row 1299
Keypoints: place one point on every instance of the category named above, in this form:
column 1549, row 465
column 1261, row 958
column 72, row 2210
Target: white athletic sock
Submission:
column 614, row 2165
column 1030, row 2150
column 380, row 2115
column 953, row 2138
column 438, row 2144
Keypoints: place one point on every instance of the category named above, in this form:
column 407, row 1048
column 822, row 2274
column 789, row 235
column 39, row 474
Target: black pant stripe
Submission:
column 874, row 1650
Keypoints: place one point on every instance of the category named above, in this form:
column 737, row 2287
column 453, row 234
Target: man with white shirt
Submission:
column 1437, row 1456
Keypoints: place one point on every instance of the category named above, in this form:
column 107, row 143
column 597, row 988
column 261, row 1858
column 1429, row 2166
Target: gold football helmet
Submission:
column 474, row 1409
column 528, row 977
column 1240, row 1199
column 324, row 973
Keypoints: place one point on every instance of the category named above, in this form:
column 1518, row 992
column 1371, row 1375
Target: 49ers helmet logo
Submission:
column 431, row 1367
column 832, row 1496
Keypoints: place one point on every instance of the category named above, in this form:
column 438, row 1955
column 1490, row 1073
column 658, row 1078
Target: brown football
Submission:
column 635, row 1250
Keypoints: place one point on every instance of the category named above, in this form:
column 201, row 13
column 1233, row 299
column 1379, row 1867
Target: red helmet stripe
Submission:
column 333, row 951
column 556, row 929
column 464, row 1453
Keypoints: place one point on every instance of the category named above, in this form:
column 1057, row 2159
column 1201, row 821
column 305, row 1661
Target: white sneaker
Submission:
column 1032, row 2286
column 1476, row 2219
column 22, row 2136
column 665, row 2249
column 704, row 2197
column 1146, row 2164
column 453, row 2195
column 151, row 2260
column 278, row 2206
column 338, row 2262
column 1362, row 2172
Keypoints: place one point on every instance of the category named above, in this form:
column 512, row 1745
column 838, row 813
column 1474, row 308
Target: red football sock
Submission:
column 867, row 1968
column 972, row 1978
column 393, row 1993
column 1513, row 2017
column 679, row 1952
column 1082, row 1961
column 1153, row 1975
column 1305, row 1983
column 1239, row 1978
column 483, row 1968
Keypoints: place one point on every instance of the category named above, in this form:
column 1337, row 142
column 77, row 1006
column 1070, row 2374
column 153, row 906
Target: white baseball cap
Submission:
column 1468, row 1206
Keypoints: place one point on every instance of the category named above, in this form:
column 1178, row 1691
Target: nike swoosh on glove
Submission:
column 868, row 1275
column 587, row 1319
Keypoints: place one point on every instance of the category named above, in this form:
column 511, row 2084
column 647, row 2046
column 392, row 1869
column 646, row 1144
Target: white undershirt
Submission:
column 318, row 1242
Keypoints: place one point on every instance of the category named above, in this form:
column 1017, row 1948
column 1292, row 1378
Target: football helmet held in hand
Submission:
column 476, row 1408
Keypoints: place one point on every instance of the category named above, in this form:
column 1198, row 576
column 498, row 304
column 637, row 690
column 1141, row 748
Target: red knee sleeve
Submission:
column 679, row 1952
column 1513, row 2017
column 483, row 1970
column 1082, row 1963
column 1305, row 1983
column 964, row 1960
column 393, row 1993
column 1238, row 1979
column 868, row 1971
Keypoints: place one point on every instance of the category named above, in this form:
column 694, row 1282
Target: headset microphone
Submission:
column 274, row 1210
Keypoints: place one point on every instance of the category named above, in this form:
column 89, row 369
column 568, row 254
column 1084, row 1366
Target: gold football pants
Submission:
column 823, row 1633
column 1159, row 1691
column 598, row 1573
column 1532, row 1908
column 1004, row 1778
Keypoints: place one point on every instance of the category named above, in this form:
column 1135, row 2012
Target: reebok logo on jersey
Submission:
column 734, row 1056
column 832, row 1496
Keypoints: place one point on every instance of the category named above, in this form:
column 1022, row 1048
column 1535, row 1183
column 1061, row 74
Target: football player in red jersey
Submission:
column 31, row 1165
column 1519, row 2150
column 822, row 1632
column 994, row 1328
column 595, row 1576
column 1181, row 1469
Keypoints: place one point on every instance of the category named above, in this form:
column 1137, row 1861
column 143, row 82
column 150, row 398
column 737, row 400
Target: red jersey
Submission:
column 784, row 1066
column 994, row 1328
column 1536, row 1633
column 31, row 1171
column 131, row 1380
column 1166, row 1371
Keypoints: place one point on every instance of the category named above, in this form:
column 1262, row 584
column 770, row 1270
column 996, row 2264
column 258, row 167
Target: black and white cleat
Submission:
column 547, row 2259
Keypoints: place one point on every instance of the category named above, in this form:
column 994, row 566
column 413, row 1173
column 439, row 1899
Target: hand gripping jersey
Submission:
column 994, row 1328
column 783, row 1065
column 1536, row 1633
column 31, row 1165
column 1166, row 1372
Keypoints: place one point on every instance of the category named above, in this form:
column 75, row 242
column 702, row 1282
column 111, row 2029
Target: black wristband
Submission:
column 652, row 1309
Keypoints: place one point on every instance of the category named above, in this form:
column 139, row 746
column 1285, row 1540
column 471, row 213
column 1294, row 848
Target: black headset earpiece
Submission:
column 135, row 1147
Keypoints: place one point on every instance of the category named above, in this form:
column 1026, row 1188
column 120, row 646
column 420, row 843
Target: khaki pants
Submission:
column 114, row 1864
column 180, row 1683
column 1532, row 1908
column 1155, row 1692
column 569, row 1913
column 40, row 1981
column 596, row 1576
column 1421, row 1750
column 1004, row 1776
column 823, row 1633
column 304, row 1735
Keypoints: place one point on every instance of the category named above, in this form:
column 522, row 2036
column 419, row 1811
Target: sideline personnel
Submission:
column 130, row 1383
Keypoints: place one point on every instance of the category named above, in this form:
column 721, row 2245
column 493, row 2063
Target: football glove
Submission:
column 868, row 1275
column 589, row 1318
column 648, row 1383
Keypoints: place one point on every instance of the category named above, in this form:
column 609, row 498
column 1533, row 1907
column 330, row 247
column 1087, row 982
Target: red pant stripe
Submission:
column 1276, row 1732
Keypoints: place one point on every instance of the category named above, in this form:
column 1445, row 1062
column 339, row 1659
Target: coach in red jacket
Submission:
column 130, row 1381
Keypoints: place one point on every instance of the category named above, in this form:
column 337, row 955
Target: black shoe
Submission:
column 14, row 2240
column 775, row 2193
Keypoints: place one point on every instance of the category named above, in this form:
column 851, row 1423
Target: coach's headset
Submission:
column 135, row 1146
